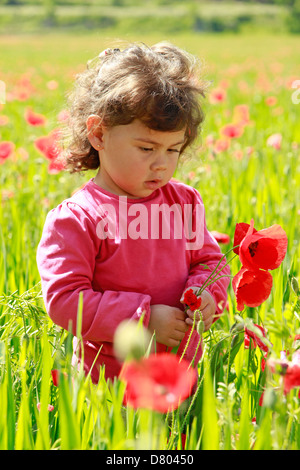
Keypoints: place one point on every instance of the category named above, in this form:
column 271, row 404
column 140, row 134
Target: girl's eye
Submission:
column 150, row 149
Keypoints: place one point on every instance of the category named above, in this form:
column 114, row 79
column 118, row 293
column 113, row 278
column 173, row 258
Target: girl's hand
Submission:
column 168, row 323
column 207, row 309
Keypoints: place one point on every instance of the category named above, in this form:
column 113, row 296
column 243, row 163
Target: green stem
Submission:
column 210, row 280
column 175, row 350
column 200, row 383
column 220, row 261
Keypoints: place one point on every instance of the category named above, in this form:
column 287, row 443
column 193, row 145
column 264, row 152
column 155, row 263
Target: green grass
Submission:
column 263, row 186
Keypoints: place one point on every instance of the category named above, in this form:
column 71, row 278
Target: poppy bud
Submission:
column 131, row 340
column 234, row 341
column 295, row 285
column 26, row 339
column 269, row 399
column 237, row 326
column 200, row 327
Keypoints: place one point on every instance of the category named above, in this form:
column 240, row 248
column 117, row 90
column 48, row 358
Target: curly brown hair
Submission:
column 158, row 85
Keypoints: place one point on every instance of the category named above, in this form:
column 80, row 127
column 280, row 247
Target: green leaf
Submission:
column 245, row 425
column 210, row 439
column 70, row 437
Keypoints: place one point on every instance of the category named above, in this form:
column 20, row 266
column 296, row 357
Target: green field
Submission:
column 249, row 180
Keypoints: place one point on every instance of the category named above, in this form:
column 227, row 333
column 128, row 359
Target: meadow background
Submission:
column 250, row 53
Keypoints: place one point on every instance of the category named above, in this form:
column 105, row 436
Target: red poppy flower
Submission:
column 55, row 166
column 221, row 145
column 23, row 89
column 55, row 377
column 241, row 114
column 290, row 370
column 271, row 100
column 292, row 374
column 264, row 249
column 275, row 141
column 261, row 400
column 191, row 300
column 232, row 131
column 49, row 147
column 241, row 230
column 34, row 119
column 159, row 382
column 251, row 288
column 221, row 237
column 291, row 378
column 255, row 339
column 217, row 95
column 6, row 150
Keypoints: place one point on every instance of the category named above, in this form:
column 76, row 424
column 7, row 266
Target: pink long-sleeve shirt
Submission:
column 125, row 255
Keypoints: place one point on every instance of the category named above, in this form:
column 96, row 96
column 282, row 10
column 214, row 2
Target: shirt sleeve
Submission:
column 205, row 259
column 66, row 261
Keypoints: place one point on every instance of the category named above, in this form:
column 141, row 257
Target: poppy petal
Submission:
column 232, row 131
column 6, row 150
column 251, row 288
column 290, row 370
column 55, row 377
column 34, row 119
column 55, row 166
column 264, row 249
column 49, row 145
column 220, row 237
column 256, row 341
column 241, row 230
column 191, row 300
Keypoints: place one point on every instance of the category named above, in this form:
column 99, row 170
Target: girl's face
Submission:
column 135, row 160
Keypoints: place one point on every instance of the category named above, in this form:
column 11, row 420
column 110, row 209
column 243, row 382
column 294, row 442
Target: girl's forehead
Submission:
column 141, row 130
column 137, row 130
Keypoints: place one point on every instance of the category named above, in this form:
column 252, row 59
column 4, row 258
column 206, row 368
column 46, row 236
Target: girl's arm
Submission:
column 66, row 260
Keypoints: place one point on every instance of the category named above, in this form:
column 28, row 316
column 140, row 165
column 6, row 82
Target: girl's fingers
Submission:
column 207, row 315
column 190, row 322
column 193, row 315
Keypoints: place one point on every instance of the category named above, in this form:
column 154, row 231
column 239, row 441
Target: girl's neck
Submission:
column 110, row 187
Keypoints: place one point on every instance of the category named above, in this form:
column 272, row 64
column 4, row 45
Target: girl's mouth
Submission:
column 153, row 184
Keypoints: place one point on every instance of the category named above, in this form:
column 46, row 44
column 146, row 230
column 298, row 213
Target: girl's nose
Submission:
column 160, row 161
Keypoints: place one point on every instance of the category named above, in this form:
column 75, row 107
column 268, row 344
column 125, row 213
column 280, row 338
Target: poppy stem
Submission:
column 175, row 350
column 200, row 380
column 213, row 277
column 190, row 335
column 210, row 278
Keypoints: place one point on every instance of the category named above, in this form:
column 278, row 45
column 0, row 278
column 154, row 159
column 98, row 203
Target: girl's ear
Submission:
column 95, row 131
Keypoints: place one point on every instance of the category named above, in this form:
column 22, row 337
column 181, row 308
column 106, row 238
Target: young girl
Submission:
column 132, row 240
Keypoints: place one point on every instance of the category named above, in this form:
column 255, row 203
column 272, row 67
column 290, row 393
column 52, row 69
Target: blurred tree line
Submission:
column 136, row 2
column 192, row 20
column 139, row 2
